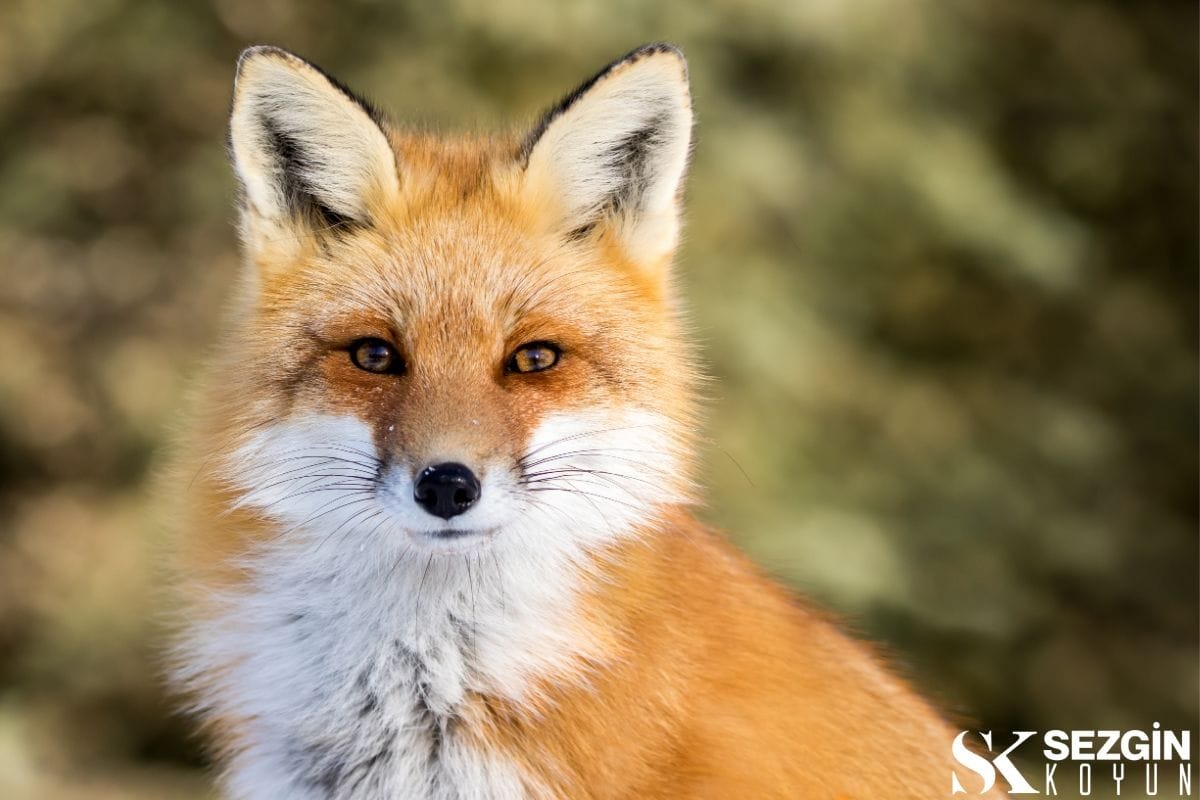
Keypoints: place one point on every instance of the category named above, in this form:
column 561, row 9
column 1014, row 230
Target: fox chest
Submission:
column 339, row 705
column 393, row 728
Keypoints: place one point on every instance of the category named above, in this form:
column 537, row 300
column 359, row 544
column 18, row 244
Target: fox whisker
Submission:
column 583, row 434
column 345, row 524
column 310, row 478
column 614, row 453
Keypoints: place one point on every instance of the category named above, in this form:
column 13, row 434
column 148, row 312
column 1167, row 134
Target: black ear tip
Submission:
column 655, row 49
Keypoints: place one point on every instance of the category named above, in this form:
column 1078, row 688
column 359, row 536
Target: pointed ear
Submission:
column 306, row 150
column 615, row 151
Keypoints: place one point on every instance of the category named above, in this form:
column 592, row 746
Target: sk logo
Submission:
column 986, row 768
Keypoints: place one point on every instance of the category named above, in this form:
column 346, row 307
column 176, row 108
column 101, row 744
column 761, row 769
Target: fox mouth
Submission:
column 454, row 533
column 454, row 540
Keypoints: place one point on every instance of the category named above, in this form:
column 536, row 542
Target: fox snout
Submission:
column 446, row 490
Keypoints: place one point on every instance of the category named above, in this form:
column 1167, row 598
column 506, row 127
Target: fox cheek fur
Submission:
column 436, row 537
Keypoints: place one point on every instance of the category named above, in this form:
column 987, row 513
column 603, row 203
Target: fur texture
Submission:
column 573, row 634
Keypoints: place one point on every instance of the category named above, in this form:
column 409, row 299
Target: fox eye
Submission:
column 376, row 355
column 533, row 357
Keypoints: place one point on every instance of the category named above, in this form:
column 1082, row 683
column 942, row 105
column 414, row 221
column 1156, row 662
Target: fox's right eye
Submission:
column 376, row 355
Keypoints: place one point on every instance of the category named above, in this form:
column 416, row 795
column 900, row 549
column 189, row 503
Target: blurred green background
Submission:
column 942, row 256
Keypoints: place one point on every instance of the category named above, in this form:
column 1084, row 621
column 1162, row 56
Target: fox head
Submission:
column 450, row 344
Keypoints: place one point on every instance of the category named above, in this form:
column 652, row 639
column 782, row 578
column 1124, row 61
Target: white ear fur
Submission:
column 301, row 143
column 619, row 146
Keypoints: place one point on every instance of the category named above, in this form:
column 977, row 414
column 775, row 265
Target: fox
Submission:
column 439, row 535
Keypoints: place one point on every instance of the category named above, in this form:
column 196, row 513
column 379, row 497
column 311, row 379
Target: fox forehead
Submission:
column 459, row 261
column 447, row 171
column 452, row 278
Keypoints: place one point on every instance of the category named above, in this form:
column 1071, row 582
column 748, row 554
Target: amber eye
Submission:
column 533, row 357
column 376, row 355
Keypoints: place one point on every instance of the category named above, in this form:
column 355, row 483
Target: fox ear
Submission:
column 305, row 149
column 615, row 151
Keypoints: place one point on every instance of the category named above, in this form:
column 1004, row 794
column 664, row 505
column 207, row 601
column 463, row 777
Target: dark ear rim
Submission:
column 300, row 201
column 558, row 109
column 269, row 50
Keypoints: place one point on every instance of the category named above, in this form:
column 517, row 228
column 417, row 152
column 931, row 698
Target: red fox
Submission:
column 437, row 539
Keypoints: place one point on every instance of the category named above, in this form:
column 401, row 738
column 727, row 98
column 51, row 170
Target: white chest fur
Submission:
column 353, row 675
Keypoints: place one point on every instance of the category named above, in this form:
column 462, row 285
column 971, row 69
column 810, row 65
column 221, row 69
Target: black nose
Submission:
column 446, row 490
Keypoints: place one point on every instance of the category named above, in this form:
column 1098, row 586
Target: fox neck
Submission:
column 486, row 621
column 356, row 677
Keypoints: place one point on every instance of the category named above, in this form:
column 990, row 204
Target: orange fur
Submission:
column 718, row 685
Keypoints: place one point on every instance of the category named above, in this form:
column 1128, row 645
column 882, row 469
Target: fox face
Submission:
column 451, row 342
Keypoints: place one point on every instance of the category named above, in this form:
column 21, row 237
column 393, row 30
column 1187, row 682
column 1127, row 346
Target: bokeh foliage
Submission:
column 942, row 255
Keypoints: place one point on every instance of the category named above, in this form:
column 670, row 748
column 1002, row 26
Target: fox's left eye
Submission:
column 376, row 355
column 533, row 357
